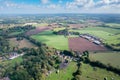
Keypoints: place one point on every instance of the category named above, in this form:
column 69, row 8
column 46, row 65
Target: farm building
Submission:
column 14, row 55
column 91, row 38
column 97, row 42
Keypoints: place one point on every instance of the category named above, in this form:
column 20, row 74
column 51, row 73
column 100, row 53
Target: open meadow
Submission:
column 15, row 33
column 111, row 58
column 11, row 63
column 21, row 43
column 91, row 73
column 52, row 40
column 113, row 25
column 88, row 73
column 64, row 74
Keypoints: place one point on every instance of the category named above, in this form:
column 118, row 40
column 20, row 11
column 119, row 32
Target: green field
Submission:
column 113, row 25
column 58, row 29
column 108, row 35
column 111, row 58
column 52, row 40
column 21, row 43
column 12, row 62
column 64, row 74
column 15, row 33
column 88, row 73
column 40, row 24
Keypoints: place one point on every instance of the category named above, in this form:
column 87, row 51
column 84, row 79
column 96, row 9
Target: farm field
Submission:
column 111, row 58
column 88, row 73
column 15, row 33
column 58, row 29
column 108, row 35
column 81, row 44
column 37, row 30
column 21, row 44
column 113, row 25
column 55, row 41
column 40, row 24
column 64, row 74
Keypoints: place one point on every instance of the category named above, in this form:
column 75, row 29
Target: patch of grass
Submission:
column 106, row 29
column 111, row 58
column 88, row 73
column 40, row 24
column 58, row 29
column 113, row 25
column 11, row 63
column 52, row 40
column 64, row 74
column 15, row 33
column 21, row 44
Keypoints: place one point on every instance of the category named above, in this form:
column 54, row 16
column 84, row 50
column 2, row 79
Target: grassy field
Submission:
column 21, row 44
column 108, row 35
column 111, row 58
column 11, row 63
column 56, row 41
column 58, row 29
column 40, row 24
column 88, row 73
column 113, row 25
column 64, row 74
column 15, row 33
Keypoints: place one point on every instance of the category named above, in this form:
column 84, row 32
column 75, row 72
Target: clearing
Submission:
column 64, row 74
column 52, row 40
column 111, row 58
column 21, row 43
column 88, row 73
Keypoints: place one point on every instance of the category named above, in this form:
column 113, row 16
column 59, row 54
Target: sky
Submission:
column 59, row 6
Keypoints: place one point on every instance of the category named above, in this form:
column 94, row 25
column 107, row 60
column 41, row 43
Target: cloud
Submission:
column 45, row 1
column 80, row 4
column 76, row 6
column 52, row 6
column 88, row 4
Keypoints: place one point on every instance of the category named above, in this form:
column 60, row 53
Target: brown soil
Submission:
column 37, row 30
column 81, row 44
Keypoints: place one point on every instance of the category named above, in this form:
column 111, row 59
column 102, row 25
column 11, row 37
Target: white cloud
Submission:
column 53, row 6
column 45, row 1
column 89, row 6
column 106, row 1
column 82, row 6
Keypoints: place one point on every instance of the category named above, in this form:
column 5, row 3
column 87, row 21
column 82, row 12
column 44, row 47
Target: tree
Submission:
column 20, row 75
column 77, row 77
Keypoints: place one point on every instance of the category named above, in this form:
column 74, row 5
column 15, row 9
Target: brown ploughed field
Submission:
column 81, row 44
column 37, row 30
